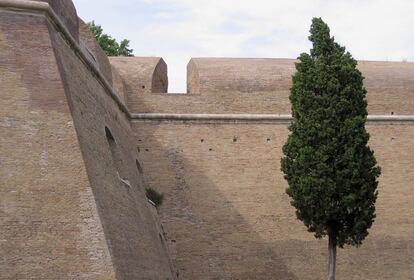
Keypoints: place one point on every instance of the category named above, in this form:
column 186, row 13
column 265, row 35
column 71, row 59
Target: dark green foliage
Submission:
column 331, row 171
column 154, row 196
column 109, row 44
column 123, row 49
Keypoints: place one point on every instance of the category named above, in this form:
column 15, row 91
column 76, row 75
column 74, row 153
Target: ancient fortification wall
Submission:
column 226, row 213
column 81, row 138
column 227, row 216
column 73, row 203
column 48, row 216
column 227, row 85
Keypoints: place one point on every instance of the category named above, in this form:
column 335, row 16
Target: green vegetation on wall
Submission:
column 154, row 196
column 110, row 46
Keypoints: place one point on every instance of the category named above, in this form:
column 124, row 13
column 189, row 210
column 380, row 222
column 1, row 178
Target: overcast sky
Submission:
column 180, row 29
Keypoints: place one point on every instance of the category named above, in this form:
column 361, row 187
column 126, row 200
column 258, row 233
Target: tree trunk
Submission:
column 332, row 254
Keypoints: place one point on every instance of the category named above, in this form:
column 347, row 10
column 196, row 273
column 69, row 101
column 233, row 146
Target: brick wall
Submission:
column 49, row 223
column 70, row 208
column 262, row 86
column 226, row 214
column 72, row 203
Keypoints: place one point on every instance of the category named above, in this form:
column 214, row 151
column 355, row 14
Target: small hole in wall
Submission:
column 139, row 140
column 143, row 86
column 234, row 139
column 146, row 150
column 392, row 113
column 109, row 137
column 210, row 149
column 202, row 140
column 155, row 197
column 138, row 167
column 138, row 149
column 140, row 174
column 268, row 139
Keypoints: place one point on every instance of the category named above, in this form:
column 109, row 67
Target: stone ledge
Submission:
column 252, row 117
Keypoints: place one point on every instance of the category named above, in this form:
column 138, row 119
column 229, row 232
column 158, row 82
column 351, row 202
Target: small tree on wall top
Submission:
column 330, row 169
column 109, row 45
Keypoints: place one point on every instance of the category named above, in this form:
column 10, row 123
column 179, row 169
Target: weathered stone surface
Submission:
column 74, row 166
column 247, row 75
column 141, row 76
column 49, row 224
column 228, row 86
column 227, row 216
column 65, row 212
column 118, row 84
column 252, row 75
column 98, row 55
column 129, row 224
column 66, row 11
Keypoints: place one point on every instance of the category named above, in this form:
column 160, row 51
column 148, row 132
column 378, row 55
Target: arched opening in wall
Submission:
column 115, row 153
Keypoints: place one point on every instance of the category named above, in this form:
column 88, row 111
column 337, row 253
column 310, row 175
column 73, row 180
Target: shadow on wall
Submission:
column 215, row 177
column 106, row 141
column 226, row 215
column 207, row 237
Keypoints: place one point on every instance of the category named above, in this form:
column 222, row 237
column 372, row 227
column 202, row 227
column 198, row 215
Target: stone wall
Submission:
column 262, row 86
column 226, row 214
column 73, row 202
column 49, row 223
column 75, row 162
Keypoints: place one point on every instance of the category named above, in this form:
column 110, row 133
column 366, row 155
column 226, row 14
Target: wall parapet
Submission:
column 26, row 5
column 36, row 6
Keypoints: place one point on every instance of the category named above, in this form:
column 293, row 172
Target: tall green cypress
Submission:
column 330, row 169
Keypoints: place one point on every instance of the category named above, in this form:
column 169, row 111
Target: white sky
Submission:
column 180, row 29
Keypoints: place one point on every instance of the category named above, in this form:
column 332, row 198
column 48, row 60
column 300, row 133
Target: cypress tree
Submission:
column 330, row 169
